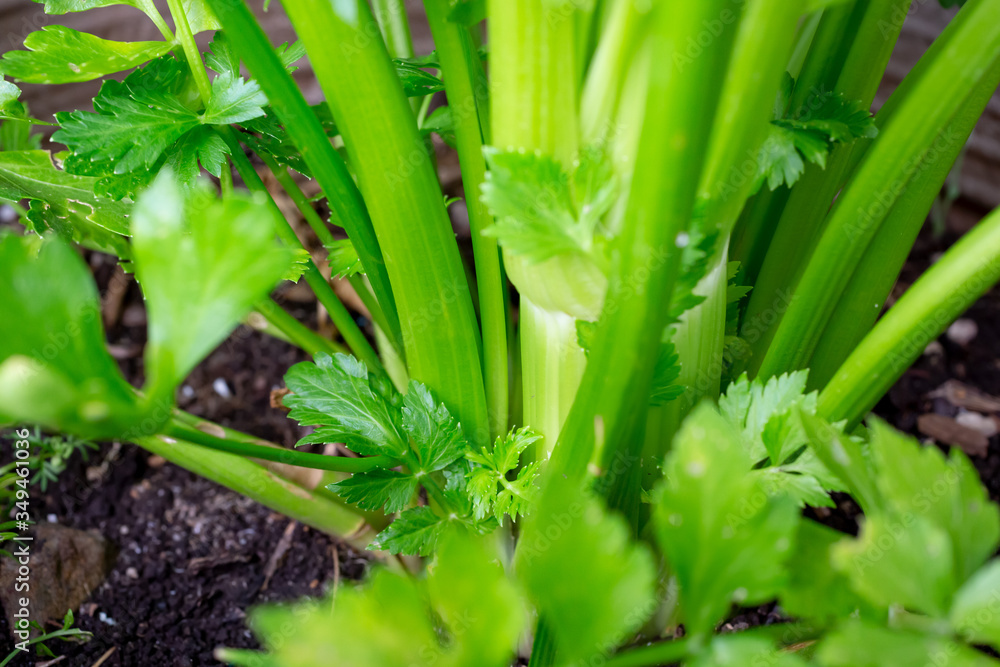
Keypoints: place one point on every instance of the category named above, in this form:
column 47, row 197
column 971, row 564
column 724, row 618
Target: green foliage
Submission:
column 348, row 404
column 63, row 203
column 808, row 134
column 343, row 259
column 187, row 247
column 767, row 415
column 57, row 54
column 584, row 574
column 492, row 467
column 725, row 536
column 541, row 210
column 147, row 121
column 54, row 368
column 465, row 611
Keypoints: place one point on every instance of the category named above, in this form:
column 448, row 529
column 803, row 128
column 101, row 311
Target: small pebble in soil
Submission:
column 221, row 388
column 978, row 422
column 963, row 331
column 934, row 349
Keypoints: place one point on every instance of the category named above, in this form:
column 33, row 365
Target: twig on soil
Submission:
column 336, row 571
column 279, row 551
column 107, row 654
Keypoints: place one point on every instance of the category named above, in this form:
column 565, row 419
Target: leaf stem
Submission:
column 392, row 20
column 191, row 52
column 943, row 293
column 303, row 127
column 258, row 483
column 465, row 82
column 325, row 236
column 403, row 194
column 298, row 333
column 179, row 431
column 321, row 287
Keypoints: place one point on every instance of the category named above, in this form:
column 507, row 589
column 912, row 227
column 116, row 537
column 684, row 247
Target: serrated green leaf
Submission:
column 234, row 100
column 588, row 580
column 948, row 492
column 809, row 133
column 492, row 465
column 415, row 81
column 377, row 488
column 541, row 211
column 415, row 532
column 861, row 645
column 665, row 375
column 900, row 560
column 202, row 264
column 69, row 205
column 476, row 601
column 378, row 623
column 725, row 537
column 815, row 589
column 338, row 393
column 436, row 435
column 54, row 367
column 343, row 259
column 465, row 613
column 201, row 147
column 221, row 58
column 57, row 54
column 136, row 120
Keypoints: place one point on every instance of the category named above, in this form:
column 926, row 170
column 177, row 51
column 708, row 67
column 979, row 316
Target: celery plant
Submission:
column 630, row 449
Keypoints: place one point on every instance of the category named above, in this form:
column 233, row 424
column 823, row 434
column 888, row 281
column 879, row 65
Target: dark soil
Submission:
column 193, row 556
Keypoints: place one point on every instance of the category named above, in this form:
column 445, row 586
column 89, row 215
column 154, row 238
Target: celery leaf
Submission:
column 343, row 259
column 350, row 405
column 859, row 644
column 415, row 532
column 921, row 481
column 234, row 100
column 541, row 210
column 377, row 488
column 725, row 537
column 436, row 436
column 490, row 471
column 57, row 54
column 590, row 582
column 54, row 368
column 202, row 263
column 135, row 121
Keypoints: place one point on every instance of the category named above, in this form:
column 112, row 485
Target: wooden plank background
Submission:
column 981, row 170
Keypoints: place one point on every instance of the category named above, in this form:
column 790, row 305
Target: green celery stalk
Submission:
column 256, row 482
column 801, row 217
column 606, row 421
column 929, row 105
column 872, row 282
column 291, row 108
column 763, row 46
column 533, row 90
column 320, row 286
column 465, row 84
column 392, row 21
column 943, row 293
column 396, row 175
